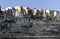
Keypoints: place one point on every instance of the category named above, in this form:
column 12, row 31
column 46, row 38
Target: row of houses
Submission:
column 26, row 12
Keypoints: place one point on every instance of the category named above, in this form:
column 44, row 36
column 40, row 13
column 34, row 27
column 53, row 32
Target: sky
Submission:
column 44, row 4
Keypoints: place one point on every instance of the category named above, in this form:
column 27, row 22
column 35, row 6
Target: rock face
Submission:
column 25, row 22
column 28, row 27
column 28, row 24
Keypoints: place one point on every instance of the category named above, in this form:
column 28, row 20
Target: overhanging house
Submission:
column 37, row 13
column 41, row 12
column 26, row 12
column 18, row 12
column 54, row 14
column 47, row 13
column 34, row 12
column 58, row 17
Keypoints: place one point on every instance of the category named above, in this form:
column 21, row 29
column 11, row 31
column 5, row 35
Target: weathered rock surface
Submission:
column 28, row 27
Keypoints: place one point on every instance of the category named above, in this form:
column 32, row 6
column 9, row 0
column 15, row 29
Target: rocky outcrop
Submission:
column 28, row 27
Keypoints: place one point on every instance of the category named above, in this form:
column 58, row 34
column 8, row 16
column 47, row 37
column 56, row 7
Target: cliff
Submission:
column 28, row 27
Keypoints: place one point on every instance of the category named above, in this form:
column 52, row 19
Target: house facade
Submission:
column 9, row 13
column 54, row 14
column 41, row 13
column 25, row 12
column 18, row 12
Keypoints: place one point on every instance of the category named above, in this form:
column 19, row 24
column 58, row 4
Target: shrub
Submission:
column 48, row 17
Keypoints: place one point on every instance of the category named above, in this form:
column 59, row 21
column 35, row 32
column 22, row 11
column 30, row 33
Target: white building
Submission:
column 48, row 12
column 26, row 12
column 38, row 13
column 34, row 11
column 41, row 11
column 18, row 12
column 56, row 15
